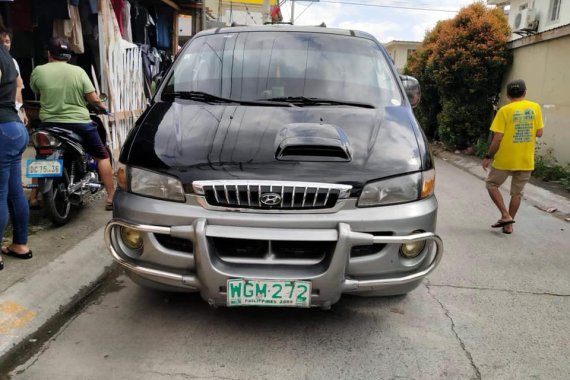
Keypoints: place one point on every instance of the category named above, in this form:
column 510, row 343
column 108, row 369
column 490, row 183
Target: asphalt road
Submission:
column 498, row 307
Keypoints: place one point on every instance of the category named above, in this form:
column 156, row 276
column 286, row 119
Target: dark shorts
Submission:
column 88, row 131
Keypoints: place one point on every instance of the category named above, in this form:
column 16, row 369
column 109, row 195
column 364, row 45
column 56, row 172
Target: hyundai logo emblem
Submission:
column 270, row 199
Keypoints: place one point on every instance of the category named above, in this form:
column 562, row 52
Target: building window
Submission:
column 410, row 52
column 554, row 11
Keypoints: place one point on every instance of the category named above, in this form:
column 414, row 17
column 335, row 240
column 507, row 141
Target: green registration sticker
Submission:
column 291, row 293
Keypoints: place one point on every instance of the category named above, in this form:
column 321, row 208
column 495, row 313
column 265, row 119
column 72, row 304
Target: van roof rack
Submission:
column 322, row 24
column 278, row 23
column 235, row 24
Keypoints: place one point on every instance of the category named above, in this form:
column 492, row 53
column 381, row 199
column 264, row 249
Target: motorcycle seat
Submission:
column 65, row 133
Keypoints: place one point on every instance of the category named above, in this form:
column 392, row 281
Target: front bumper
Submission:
column 202, row 270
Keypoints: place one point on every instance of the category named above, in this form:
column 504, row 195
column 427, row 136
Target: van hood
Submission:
column 331, row 144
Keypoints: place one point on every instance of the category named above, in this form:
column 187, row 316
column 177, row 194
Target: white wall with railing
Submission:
column 121, row 77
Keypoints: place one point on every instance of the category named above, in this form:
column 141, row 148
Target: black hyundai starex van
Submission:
column 278, row 166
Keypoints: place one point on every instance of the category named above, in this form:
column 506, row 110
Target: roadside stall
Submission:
column 121, row 44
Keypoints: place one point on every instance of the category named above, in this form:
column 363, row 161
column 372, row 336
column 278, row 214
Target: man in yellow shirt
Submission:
column 515, row 129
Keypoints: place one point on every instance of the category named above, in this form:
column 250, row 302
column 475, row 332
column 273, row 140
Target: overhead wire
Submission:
column 405, row 7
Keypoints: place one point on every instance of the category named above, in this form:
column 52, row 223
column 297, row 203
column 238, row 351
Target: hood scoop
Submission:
column 312, row 142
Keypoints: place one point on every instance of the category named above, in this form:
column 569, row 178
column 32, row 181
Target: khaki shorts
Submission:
column 519, row 179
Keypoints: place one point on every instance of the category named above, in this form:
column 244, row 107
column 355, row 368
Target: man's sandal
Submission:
column 502, row 223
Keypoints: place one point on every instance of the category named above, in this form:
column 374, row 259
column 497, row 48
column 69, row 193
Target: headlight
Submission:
column 401, row 189
column 151, row 184
column 121, row 175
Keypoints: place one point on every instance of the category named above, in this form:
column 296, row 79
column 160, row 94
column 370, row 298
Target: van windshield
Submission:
column 254, row 66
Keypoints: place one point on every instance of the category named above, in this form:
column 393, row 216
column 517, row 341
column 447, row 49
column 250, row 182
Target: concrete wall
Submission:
column 544, row 67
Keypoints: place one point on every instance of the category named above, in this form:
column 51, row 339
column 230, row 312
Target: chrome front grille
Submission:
column 271, row 195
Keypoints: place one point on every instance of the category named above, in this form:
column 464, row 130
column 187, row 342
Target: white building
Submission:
column 400, row 51
column 528, row 17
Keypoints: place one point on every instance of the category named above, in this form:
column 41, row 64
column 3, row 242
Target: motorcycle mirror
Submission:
column 103, row 97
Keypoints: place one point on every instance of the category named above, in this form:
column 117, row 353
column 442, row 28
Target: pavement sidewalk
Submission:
column 33, row 295
column 68, row 263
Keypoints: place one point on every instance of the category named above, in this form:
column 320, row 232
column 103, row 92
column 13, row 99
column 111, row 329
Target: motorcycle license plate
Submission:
column 44, row 168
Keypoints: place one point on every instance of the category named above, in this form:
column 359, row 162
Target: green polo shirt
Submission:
column 62, row 88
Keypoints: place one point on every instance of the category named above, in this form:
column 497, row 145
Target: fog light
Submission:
column 411, row 250
column 132, row 238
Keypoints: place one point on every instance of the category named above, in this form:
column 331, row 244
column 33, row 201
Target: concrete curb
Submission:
column 29, row 305
column 537, row 196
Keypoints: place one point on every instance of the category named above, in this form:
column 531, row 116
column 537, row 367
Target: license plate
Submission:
column 44, row 168
column 243, row 292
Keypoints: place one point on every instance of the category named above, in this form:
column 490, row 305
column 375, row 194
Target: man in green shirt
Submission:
column 64, row 90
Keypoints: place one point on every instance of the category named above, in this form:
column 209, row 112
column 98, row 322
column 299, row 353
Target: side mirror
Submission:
column 413, row 89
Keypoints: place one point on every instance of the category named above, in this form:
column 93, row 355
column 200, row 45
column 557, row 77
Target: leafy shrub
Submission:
column 546, row 167
column 482, row 147
column 460, row 64
column 566, row 181
column 462, row 123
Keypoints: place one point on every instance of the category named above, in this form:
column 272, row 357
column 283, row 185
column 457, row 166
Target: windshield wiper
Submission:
column 302, row 100
column 199, row 96
column 209, row 98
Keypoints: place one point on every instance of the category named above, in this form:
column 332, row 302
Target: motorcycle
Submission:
column 65, row 172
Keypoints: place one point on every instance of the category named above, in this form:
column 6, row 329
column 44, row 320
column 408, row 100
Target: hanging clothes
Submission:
column 126, row 17
column 163, row 30
column 71, row 29
column 118, row 6
column 143, row 25
column 93, row 6
column 89, row 22
column 47, row 11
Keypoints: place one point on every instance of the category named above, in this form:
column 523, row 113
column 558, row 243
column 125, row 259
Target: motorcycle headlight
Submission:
column 400, row 189
column 155, row 185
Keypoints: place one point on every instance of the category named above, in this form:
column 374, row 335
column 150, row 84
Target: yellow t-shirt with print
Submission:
column 518, row 122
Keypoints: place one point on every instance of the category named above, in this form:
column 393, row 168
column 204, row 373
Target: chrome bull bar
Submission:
column 347, row 285
column 188, row 280
column 353, row 285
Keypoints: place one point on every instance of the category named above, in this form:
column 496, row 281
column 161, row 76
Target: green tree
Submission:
column 460, row 65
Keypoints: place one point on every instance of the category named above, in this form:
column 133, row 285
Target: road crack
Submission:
column 499, row 290
column 189, row 376
column 461, row 343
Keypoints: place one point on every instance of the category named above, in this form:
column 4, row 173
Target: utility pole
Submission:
column 292, row 12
